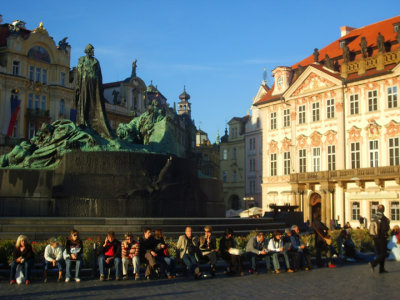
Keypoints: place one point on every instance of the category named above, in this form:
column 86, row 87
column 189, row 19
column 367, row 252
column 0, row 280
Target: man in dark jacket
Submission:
column 110, row 252
column 148, row 248
column 257, row 248
column 381, row 240
column 321, row 233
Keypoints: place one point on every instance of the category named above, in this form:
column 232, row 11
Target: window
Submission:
column 374, row 208
column 224, row 176
column 286, row 163
column 205, row 157
column 273, row 120
column 316, row 159
column 354, row 104
column 234, row 176
column 252, row 164
column 302, row 114
column 355, row 155
column 43, row 106
column 331, row 157
column 395, row 211
column 234, row 153
column 252, row 186
column 315, row 111
column 373, row 100
column 355, row 211
column 44, row 76
column 373, row 153
column 286, row 117
column 31, row 130
column 392, row 96
column 252, row 143
column 37, row 100
column 62, row 79
column 225, row 154
column 38, row 73
column 302, row 160
column 30, row 101
column 394, row 151
column 330, row 108
column 273, row 164
column 62, row 107
column 31, row 73
column 16, row 66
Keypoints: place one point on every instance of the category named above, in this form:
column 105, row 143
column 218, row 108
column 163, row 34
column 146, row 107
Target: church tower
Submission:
column 184, row 104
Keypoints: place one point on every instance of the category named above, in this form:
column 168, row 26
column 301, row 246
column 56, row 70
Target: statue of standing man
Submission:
column 89, row 97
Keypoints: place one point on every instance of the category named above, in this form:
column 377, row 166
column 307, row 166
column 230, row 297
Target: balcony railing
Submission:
column 367, row 174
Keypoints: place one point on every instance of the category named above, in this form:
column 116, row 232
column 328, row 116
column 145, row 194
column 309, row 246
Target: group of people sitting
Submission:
column 154, row 252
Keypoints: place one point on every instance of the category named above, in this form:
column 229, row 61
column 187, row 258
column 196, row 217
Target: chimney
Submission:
column 344, row 30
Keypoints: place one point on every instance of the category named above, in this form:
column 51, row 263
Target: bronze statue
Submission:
column 364, row 48
column 346, row 53
column 89, row 96
column 134, row 65
column 380, row 42
column 328, row 62
column 316, row 55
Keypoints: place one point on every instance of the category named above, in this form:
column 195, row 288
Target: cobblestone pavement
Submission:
column 346, row 282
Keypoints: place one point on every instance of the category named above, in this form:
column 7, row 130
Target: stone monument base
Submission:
column 111, row 184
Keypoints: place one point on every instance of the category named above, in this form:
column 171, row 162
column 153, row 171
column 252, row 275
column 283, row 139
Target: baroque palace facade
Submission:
column 331, row 128
column 34, row 81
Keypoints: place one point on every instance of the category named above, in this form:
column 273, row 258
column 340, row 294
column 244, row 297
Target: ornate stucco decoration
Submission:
column 393, row 129
column 373, row 130
column 354, row 134
column 313, row 83
column 301, row 141
column 331, row 137
column 273, row 146
column 316, row 139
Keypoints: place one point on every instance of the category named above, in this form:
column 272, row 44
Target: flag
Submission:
column 15, row 106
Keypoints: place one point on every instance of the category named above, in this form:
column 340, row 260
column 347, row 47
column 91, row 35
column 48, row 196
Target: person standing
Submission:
column 380, row 239
column 321, row 244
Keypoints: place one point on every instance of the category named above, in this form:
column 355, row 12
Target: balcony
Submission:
column 351, row 175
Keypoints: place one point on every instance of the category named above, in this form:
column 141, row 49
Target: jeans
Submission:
column 190, row 262
column 253, row 258
column 300, row 257
column 135, row 263
column 275, row 260
column 49, row 265
column 68, row 267
column 102, row 264
column 170, row 262
column 28, row 264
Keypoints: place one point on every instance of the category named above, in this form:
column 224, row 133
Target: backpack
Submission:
column 373, row 228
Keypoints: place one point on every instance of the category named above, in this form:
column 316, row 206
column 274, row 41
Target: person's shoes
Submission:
column 77, row 279
column 125, row 277
column 334, row 256
column 148, row 278
column 170, row 276
column 242, row 273
column 290, row 271
column 331, row 266
column 383, row 271
column 137, row 277
column 59, row 279
column 101, row 278
column 251, row 271
column 307, row 269
column 117, row 278
column 109, row 277
column 27, row 282
column 371, row 266
column 277, row 271
column 67, row 279
column 45, row 280
column 212, row 271
column 13, row 282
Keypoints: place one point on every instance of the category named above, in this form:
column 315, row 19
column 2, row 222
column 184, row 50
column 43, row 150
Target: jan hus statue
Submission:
column 89, row 97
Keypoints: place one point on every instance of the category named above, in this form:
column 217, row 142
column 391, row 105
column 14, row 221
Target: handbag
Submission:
column 19, row 275
column 327, row 240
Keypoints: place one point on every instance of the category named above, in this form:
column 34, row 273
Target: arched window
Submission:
column 39, row 53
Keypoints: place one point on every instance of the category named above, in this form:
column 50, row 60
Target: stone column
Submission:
column 323, row 206
column 328, row 216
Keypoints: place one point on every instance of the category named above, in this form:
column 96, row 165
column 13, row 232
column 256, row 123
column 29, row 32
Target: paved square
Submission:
column 346, row 282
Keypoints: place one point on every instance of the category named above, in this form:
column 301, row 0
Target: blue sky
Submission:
column 218, row 49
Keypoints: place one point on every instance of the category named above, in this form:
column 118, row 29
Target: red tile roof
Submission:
column 353, row 39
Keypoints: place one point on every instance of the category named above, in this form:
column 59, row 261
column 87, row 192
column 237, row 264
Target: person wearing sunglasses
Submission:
column 208, row 248
column 73, row 253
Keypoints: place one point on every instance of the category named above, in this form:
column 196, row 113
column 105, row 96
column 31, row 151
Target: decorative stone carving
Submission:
column 273, row 146
column 312, row 83
column 380, row 42
column 354, row 134
column 331, row 137
column 346, row 53
column 328, row 62
column 316, row 139
column 63, row 44
column 286, row 143
column 363, row 46
column 316, row 55
column 301, row 141
column 339, row 106
column 393, row 129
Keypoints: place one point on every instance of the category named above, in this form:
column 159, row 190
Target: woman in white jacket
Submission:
column 53, row 258
column 275, row 247
column 394, row 244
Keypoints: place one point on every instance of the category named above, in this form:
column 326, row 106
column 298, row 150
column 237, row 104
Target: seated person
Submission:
column 109, row 253
column 163, row 256
column 22, row 255
column 73, row 253
column 208, row 248
column 301, row 253
column 130, row 253
column 228, row 251
column 347, row 249
column 186, row 248
column 256, row 248
column 148, row 247
column 275, row 246
column 394, row 244
column 53, row 258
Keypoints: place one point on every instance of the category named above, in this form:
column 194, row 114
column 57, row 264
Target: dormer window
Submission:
column 342, row 43
column 396, row 27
